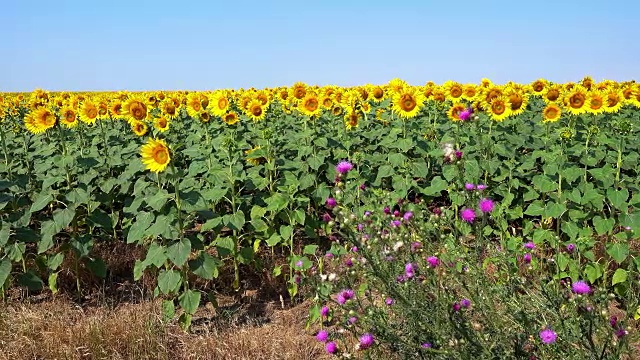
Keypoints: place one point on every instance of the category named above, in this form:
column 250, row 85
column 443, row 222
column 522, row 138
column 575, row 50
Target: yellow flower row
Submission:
column 43, row 108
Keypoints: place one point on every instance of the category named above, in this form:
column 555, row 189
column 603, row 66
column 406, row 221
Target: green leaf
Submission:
column 169, row 281
column 189, row 301
column 138, row 269
column 156, row 255
column 619, row 276
column 53, row 282
column 47, row 231
column 225, row 246
column 205, row 266
column 157, row 201
column 299, row 216
column 536, row 208
column 100, row 218
column 555, row 210
column 5, row 270
column 274, row 240
column 603, row 226
column 235, row 221
column 97, row 267
column 396, row 159
column 543, row 184
column 136, row 231
column 310, row 249
column 4, row 234
column 385, row 171
column 31, row 281
column 286, row 232
column 63, row 217
column 214, row 195
column 179, row 252
column 618, row 251
column 277, row 202
column 438, row 185
column 593, row 272
column 55, row 261
column 618, row 198
column 168, row 310
column 41, row 201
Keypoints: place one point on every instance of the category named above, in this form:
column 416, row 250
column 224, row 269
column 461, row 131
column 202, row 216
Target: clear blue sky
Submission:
column 196, row 45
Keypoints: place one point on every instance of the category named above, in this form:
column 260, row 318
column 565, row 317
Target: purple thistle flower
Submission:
column 548, row 336
column 396, row 213
column 326, row 217
column 299, row 263
column 322, row 336
column 486, row 205
column 344, row 167
column 426, row 346
column 366, row 341
column 389, row 301
column 363, row 187
column 407, row 216
column 527, row 258
column 621, row 332
column 409, row 270
column 571, row 247
column 331, row 347
column 613, row 321
column 468, row 215
column 458, row 154
column 529, row 245
column 360, row 227
column 481, row 187
column 466, row 303
column 433, row 261
column 396, row 223
column 456, row 307
column 324, row 311
column 415, row 246
column 367, row 213
column 353, row 320
column 465, row 114
column 580, row 287
column 331, row 202
column 469, row 186
column 348, row 262
column 387, row 210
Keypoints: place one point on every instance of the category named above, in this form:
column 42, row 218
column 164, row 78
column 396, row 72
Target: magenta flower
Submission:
column 366, row 341
column 363, row 187
column 396, row 223
column 322, row 336
column 486, row 205
column 468, row 215
column 331, row 202
column 344, row 167
column 407, row 216
column 433, row 261
column 469, row 186
column 530, row 245
column 465, row 114
column 389, row 301
column 426, row 346
column 409, row 270
column 458, row 154
column 326, row 217
column 527, row 258
column 353, row 320
column 580, row 287
column 548, row 336
column 324, row 311
column 299, row 263
column 481, row 187
column 387, row 210
column 465, row 303
column 456, row 306
column 331, row 347
column 571, row 247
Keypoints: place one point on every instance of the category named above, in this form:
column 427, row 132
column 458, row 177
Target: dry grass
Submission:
column 59, row 329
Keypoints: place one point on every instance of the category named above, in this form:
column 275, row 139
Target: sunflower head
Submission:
column 408, row 102
column 309, row 105
column 138, row 127
column 499, row 108
column 377, row 93
column 538, row 86
column 613, row 100
column 39, row 120
column 88, row 112
column 68, row 116
column 575, row 100
column 595, row 102
column 155, row 155
column 552, row 93
column 255, row 110
column 551, row 113
column 161, row 124
column 135, row 109
column 352, row 119
column 299, row 90
column 453, row 90
column 230, row 118
column 454, row 111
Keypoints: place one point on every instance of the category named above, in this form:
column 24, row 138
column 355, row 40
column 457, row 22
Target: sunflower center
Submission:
column 576, row 101
column 516, row 101
column 311, row 104
column 596, row 103
column 553, row 95
column 161, row 155
column 378, row 93
column 162, row 123
column 256, row 110
column 92, row 112
column 498, row 107
column 538, row 86
column 612, row 100
column 551, row 113
column 407, row 102
column 69, row 116
column 223, row 103
column 456, row 91
column 170, row 109
column 138, row 110
column 299, row 93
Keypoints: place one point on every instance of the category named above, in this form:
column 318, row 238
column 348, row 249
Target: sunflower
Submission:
column 486, row 83
column 595, row 102
column 575, row 100
column 490, row 93
column 263, row 97
column 230, row 118
column 169, row 109
column 309, row 105
column 155, row 155
column 613, row 100
column 194, row 104
column 115, row 108
column 377, row 94
column 551, row 113
column 408, row 102
column 138, row 127
column 255, row 110
column 518, row 100
column 39, row 120
column 396, row 86
column 453, row 90
column 499, row 108
column 337, row 110
column 135, row 109
column 299, row 90
column 254, row 160
column 635, row 100
column 587, row 82
column 103, row 110
column 283, row 94
column 469, row 91
column 161, row 123
column 538, row 87
column 438, row 94
column 552, row 93
column 219, row 103
column 352, row 119
column 454, row 111
column 68, row 116
column 88, row 112
column 365, row 107
column 326, row 102
column 204, row 116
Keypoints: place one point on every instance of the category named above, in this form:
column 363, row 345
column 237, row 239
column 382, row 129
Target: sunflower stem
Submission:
column 4, row 149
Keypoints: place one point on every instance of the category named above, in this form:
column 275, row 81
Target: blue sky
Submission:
column 197, row 45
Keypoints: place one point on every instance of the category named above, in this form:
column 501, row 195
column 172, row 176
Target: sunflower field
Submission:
column 207, row 181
